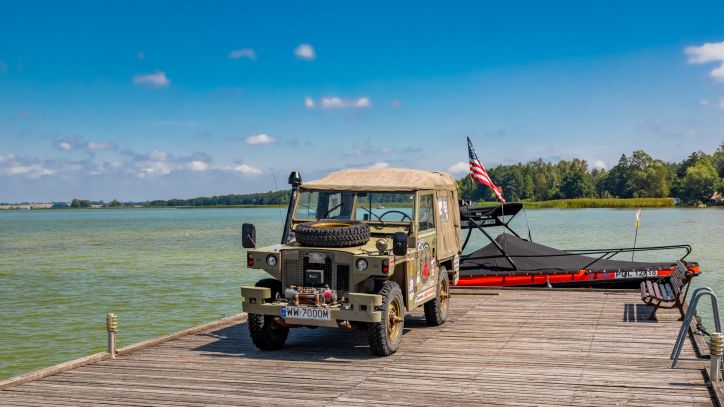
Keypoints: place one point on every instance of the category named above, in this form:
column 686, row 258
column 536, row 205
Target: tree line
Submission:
column 693, row 180
column 262, row 198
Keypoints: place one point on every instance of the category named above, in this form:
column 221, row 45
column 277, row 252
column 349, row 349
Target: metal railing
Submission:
column 715, row 353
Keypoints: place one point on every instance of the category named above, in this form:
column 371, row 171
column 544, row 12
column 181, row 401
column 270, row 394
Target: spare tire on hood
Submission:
column 332, row 233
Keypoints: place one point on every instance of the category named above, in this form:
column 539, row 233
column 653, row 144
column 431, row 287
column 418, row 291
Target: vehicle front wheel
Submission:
column 436, row 309
column 266, row 333
column 385, row 336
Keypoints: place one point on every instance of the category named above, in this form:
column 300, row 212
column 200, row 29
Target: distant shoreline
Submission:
column 577, row 203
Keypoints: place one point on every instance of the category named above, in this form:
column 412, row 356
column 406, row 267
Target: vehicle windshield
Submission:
column 365, row 206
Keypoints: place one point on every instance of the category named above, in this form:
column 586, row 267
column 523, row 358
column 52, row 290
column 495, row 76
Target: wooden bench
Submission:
column 667, row 292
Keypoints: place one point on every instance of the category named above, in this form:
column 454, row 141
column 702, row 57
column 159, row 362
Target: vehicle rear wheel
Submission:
column 385, row 336
column 265, row 332
column 436, row 309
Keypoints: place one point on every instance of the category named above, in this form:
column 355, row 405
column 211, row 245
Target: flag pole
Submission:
column 636, row 234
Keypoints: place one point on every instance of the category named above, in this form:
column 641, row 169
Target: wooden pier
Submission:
column 509, row 347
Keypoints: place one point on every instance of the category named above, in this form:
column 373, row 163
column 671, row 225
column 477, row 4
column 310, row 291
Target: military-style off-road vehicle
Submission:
column 360, row 249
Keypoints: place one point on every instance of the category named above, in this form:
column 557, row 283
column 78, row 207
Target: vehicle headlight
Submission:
column 271, row 260
column 361, row 265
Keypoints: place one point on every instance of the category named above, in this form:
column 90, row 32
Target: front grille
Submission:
column 293, row 272
column 342, row 277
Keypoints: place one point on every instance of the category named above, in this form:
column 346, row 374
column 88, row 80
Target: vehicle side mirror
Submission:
column 399, row 244
column 248, row 236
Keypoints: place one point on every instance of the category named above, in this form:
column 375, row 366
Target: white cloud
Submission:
column 308, row 102
column 708, row 52
column 380, row 165
column 247, row 53
column 245, row 169
column 259, row 139
column 157, row 155
column 198, row 166
column 721, row 103
column 305, row 51
column 157, row 79
column 64, row 145
column 599, row 164
column 459, row 168
column 99, row 145
column 8, row 157
column 32, row 171
column 335, row 102
column 718, row 73
column 704, row 102
column 395, row 103
column 154, row 168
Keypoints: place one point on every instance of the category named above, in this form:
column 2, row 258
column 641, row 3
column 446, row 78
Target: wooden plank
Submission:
column 48, row 371
column 97, row 357
column 181, row 333
column 512, row 348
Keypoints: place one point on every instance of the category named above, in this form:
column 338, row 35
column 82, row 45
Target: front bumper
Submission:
column 360, row 307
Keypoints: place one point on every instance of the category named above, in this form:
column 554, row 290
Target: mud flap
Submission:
column 455, row 273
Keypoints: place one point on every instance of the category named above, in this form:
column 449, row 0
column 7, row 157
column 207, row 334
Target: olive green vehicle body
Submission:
column 431, row 249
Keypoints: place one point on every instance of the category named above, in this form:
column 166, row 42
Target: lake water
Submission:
column 161, row 270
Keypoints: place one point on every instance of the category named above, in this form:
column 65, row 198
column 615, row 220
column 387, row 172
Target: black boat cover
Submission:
column 536, row 258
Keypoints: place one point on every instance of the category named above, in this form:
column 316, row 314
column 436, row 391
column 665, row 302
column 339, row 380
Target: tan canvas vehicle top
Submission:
column 383, row 179
column 359, row 249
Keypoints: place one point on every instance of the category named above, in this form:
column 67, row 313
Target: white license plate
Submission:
column 636, row 274
column 320, row 314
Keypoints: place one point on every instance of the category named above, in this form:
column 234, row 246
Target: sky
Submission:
column 176, row 99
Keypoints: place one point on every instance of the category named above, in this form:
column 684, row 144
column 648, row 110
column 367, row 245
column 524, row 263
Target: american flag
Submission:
column 479, row 174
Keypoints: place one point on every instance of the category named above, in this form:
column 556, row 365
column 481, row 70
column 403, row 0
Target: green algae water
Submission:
column 162, row 270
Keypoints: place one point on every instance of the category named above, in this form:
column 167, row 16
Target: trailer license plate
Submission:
column 636, row 274
column 321, row 314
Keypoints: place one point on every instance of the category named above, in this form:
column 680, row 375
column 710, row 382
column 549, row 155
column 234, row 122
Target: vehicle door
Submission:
column 425, row 270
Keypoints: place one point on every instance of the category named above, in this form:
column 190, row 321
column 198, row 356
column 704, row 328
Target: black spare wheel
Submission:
column 332, row 233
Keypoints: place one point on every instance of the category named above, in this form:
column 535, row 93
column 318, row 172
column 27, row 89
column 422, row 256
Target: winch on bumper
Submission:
column 356, row 307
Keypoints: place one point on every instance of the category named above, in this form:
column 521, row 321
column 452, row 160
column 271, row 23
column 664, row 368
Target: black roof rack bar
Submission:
column 480, row 227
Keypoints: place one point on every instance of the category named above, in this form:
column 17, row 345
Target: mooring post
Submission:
column 717, row 339
column 112, row 327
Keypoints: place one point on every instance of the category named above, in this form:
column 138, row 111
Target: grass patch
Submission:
column 596, row 203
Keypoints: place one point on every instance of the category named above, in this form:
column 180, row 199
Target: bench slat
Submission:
column 667, row 292
column 657, row 291
column 647, row 288
column 642, row 286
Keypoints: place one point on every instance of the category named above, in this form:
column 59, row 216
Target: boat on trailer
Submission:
column 510, row 260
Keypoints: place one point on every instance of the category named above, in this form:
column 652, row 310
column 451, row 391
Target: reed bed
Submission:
column 596, row 203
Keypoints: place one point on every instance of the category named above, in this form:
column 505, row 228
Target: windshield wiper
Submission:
column 375, row 215
column 329, row 211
